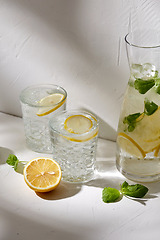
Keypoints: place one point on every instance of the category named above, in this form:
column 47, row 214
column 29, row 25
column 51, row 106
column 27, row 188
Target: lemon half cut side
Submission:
column 79, row 127
column 50, row 103
column 128, row 145
column 42, row 174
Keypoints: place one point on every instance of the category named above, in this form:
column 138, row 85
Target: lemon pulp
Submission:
column 80, row 126
column 42, row 174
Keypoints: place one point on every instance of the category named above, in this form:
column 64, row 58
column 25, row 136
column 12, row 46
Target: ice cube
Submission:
column 148, row 70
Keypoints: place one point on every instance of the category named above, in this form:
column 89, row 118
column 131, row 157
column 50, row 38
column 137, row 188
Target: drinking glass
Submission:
column 138, row 138
column 74, row 136
column 39, row 103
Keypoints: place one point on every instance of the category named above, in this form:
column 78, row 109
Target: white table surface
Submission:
column 71, row 211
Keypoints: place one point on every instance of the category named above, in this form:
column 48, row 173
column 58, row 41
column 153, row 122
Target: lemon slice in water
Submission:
column 50, row 103
column 147, row 132
column 78, row 124
column 128, row 145
column 80, row 127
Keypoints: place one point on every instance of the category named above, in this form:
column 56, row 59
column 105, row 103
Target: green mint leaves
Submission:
column 157, row 86
column 13, row 161
column 110, row 194
column 136, row 191
column 132, row 119
column 149, row 107
column 144, row 86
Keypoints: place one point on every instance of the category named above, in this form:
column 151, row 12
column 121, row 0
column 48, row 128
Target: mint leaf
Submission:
column 150, row 107
column 143, row 85
column 137, row 190
column 13, row 161
column 131, row 118
column 110, row 194
column 131, row 121
column 157, row 86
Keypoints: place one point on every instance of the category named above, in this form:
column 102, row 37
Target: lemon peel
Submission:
column 42, row 174
column 79, row 126
column 50, row 103
column 127, row 144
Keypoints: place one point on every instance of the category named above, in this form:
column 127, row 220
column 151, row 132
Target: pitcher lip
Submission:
column 138, row 45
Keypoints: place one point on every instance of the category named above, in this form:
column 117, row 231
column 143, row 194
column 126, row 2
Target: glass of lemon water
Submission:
column 138, row 139
column 74, row 136
column 38, row 103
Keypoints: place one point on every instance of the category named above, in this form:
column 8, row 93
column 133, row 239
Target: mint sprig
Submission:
column 14, row 161
column 132, row 119
column 144, row 86
column 136, row 191
column 112, row 194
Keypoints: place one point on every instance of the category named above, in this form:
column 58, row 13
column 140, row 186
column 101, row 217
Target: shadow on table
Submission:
column 115, row 181
column 108, row 176
column 64, row 190
column 4, row 153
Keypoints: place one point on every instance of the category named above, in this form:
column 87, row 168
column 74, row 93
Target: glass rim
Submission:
column 44, row 85
column 79, row 112
column 138, row 45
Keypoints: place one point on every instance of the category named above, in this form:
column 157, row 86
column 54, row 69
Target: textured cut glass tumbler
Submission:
column 39, row 103
column 138, row 139
column 74, row 136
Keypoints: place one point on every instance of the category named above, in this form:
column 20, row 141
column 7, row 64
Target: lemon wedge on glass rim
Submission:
column 50, row 103
column 80, row 128
column 127, row 144
column 42, row 174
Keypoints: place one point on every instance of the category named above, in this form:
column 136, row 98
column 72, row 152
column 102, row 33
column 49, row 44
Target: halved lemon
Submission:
column 128, row 145
column 42, row 174
column 80, row 126
column 50, row 103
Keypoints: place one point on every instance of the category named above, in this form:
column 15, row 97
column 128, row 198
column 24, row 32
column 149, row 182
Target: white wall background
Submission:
column 78, row 44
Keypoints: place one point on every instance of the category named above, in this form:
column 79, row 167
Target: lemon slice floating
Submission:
column 50, row 103
column 80, row 126
column 128, row 145
column 42, row 174
column 147, row 132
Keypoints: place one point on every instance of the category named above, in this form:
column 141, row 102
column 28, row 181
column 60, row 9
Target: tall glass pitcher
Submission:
column 138, row 138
